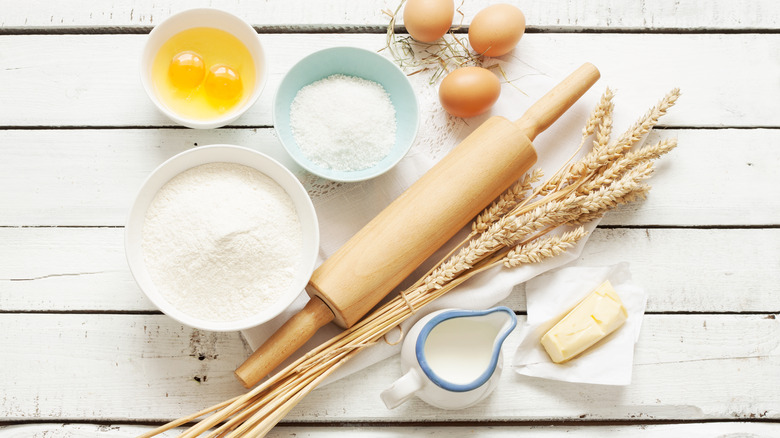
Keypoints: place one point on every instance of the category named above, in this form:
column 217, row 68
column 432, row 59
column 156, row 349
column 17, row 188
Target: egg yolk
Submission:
column 187, row 70
column 223, row 83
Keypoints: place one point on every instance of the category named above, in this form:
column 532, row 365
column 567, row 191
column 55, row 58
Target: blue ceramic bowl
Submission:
column 351, row 61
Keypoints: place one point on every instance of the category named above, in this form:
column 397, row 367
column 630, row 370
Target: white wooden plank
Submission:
column 66, row 269
column 540, row 14
column 96, row 174
column 689, row 430
column 89, row 360
column 92, row 80
column 696, row 270
column 144, row 367
column 90, row 177
column 711, row 178
column 84, row 269
column 686, row 366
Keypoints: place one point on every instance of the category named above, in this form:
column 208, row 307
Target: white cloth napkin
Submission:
column 350, row 206
column 550, row 296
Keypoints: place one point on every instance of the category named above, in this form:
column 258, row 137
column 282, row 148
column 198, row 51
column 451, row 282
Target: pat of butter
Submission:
column 596, row 316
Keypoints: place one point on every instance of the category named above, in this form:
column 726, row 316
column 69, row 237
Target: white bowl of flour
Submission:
column 222, row 238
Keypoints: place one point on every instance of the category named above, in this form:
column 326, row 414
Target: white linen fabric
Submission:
column 343, row 209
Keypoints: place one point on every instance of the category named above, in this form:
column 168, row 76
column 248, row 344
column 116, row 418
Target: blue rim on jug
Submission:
column 489, row 370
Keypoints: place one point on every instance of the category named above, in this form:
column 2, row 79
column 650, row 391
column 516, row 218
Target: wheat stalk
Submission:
column 539, row 250
column 505, row 202
column 601, row 118
column 604, row 153
column 624, row 163
column 513, row 231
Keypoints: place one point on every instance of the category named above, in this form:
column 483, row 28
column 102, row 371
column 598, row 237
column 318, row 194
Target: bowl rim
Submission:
column 347, row 176
column 258, row 55
column 134, row 228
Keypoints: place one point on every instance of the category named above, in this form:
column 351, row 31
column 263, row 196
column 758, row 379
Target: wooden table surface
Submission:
column 85, row 354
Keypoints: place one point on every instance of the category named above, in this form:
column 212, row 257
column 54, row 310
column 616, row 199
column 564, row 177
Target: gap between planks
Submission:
column 179, row 127
column 378, row 29
column 415, row 424
column 767, row 314
column 603, row 227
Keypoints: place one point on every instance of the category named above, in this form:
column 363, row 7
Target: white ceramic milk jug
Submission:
column 452, row 358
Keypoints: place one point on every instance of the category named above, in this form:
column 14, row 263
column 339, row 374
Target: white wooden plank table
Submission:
column 85, row 354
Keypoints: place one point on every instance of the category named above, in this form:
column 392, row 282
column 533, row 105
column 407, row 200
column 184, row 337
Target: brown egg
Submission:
column 428, row 20
column 495, row 30
column 469, row 91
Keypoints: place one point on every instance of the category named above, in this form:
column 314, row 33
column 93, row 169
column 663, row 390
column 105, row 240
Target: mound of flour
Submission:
column 222, row 241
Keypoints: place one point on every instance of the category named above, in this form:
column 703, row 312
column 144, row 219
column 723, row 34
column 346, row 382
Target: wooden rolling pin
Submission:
column 376, row 259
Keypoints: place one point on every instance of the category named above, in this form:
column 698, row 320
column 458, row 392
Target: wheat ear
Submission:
column 506, row 202
column 538, row 250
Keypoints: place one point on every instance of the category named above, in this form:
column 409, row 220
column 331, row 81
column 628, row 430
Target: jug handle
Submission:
column 402, row 389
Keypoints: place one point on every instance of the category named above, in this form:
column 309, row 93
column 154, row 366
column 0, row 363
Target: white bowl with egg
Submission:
column 204, row 18
column 192, row 262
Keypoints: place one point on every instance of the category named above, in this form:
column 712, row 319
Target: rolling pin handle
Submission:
column 552, row 105
column 289, row 338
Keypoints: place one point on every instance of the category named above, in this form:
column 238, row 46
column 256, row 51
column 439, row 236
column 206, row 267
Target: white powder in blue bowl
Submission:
column 344, row 123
